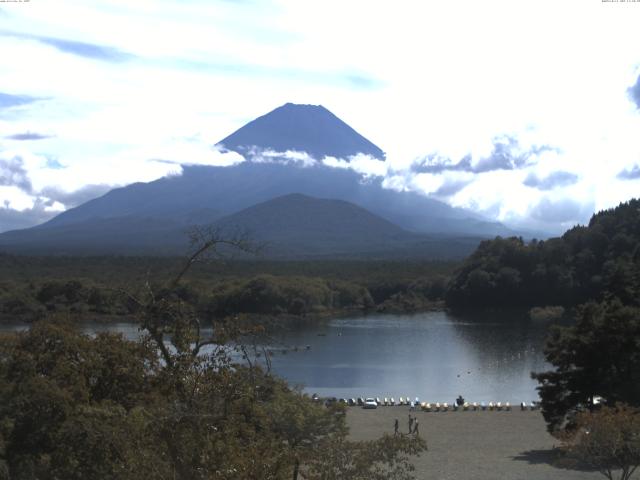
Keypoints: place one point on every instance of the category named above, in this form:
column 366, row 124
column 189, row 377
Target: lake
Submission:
column 435, row 356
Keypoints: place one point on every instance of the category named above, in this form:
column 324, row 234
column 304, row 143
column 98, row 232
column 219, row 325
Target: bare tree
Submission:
column 173, row 324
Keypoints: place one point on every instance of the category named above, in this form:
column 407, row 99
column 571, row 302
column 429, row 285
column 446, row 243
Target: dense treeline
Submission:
column 118, row 269
column 75, row 406
column 596, row 262
column 93, row 288
column 596, row 358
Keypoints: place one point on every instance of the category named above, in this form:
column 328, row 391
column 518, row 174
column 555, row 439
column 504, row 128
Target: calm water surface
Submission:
column 434, row 356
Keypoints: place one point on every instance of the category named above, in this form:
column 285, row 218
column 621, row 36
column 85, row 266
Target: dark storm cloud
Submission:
column 565, row 210
column 634, row 93
column 77, row 197
column 631, row 173
column 8, row 100
column 551, row 181
column 13, row 173
column 505, row 155
column 82, row 49
column 27, row 136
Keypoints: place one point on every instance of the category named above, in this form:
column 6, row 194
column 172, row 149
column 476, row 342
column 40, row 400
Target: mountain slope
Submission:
column 307, row 128
column 297, row 224
column 226, row 190
column 204, row 194
column 131, row 235
column 291, row 226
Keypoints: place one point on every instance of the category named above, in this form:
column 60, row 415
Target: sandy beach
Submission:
column 491, row 445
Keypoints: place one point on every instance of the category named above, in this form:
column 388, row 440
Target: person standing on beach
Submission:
column 410, row 423
column 395, row 427
column 415, row 427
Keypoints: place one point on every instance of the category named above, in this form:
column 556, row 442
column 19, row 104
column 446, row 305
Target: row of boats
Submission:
column 433, row 407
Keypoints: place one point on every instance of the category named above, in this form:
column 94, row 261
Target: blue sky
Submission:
column 527, row 112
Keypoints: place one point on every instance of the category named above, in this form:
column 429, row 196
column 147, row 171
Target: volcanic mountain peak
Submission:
column 331, row 211
column 308, row 128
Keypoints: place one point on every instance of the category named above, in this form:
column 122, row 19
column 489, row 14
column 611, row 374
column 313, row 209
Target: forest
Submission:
column 599, row 261
column 97, row 288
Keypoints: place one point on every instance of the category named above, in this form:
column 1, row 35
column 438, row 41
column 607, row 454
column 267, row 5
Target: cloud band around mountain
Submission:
column 506, row 154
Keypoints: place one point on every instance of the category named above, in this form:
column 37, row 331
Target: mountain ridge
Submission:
column 206, row 194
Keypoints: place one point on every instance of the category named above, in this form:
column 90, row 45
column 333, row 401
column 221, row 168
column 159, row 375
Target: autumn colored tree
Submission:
column 607, row 440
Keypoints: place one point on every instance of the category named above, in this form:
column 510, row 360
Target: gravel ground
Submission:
column 511, row 445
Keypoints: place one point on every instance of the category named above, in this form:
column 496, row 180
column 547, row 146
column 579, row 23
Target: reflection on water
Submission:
column 434, row 356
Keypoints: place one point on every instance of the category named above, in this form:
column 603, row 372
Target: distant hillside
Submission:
column 298, row 225
column 594, row 262
column 308, row 128
column 292, row 226
column 226, row 190
column 129, row 235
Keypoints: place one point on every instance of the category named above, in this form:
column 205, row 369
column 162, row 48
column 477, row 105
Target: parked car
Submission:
column 370, row 403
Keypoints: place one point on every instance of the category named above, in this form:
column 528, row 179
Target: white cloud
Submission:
column 366, row 165
column 415, row 78
column 260, row 155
